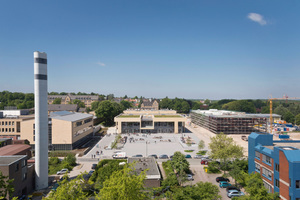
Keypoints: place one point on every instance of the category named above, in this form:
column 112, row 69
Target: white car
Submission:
column 234, row 193
column 63, row 171
column 189, row 177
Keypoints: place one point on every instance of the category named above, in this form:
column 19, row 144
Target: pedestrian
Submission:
column 92, row 155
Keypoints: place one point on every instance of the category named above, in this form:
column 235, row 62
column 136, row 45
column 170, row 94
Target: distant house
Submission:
column 62, row 107
column 66, row 99
column 151, row 105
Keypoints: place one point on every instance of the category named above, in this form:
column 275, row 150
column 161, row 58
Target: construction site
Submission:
column 230, row 122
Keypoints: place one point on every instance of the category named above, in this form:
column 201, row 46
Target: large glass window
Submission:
column 257, row 167
column 268, row 187
column 276, row 182
column 277, row 167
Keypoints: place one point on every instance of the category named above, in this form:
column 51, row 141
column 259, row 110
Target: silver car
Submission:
column 189, row 177
column 235, row 193
column 198, row 156
column 63, row 171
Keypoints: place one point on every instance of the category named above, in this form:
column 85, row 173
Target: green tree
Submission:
column 256, row 190
column 79, row 103
column 224, row 148
column 240, row 105
column 125, row 97
column 207, row 101
column 180, row 165
column 196, row 105
column 6, row 187
column 166, row 103
column 202, row 190
column 185, row 107
column 297, row 119
column 123, row 185
column 69, row 190
column 63, row 93
column 201, row 145
column 107, row 110
column 110, row 97
column 126, row 104
column 95, row 105
column 280, row 110
column 54, row 93
column 57, row 101
column 289, row 117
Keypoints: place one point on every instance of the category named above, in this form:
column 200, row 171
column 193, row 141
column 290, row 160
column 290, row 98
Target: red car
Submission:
column 204, row 162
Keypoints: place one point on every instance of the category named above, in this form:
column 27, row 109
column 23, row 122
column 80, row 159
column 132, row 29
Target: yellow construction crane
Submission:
column 285, row 97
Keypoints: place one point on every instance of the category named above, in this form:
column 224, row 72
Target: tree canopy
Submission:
column 224, row 148
column 57, row 101
column 6, row 187
column 123, row 185
column 107, row 110
column 240, row 105
column 202, row 190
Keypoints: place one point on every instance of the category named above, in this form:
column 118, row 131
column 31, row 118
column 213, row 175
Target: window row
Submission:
column 7, row 123
column 266, row 159
column 7, row 130
column 267, row 173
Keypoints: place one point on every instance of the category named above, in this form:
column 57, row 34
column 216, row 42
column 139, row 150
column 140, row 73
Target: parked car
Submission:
column 218, row 179
column 91, row 172
column 138, row 156
column 224, row 184
column 189, row 177
column 164, row 156
column 235, row 193
column 94, row 166
column 171, row 157
column 119, row 155
column 244, row 137
column 188, row 156
column 153, row 155
column 204, row 162
column 198, row 156
column 232, row 188
column 63, row 171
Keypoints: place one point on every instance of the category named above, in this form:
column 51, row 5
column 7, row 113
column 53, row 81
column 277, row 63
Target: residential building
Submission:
column 278, row 163
column 22, row 174
column 62, row 107
column 16, row 149
column 66, row 99
column 150, row 121
column 148, row 165
column 66, row 130
column 150, row 104
column 230, row 122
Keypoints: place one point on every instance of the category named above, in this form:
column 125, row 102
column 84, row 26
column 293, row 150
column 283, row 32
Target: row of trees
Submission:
column 180, row 105
column 18, row 99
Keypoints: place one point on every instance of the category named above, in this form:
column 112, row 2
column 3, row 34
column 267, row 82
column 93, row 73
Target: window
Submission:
column 268, row 187
column 79, row 123
column 266, row 159
column 257, row 167
column 277, row 167
column 267, row 173
column 9, row 123
column 33, row 138
column 297, row 184
column 2, row 123
column 5, row 123
column 276, row 182
column 9, row 129
column 257, row 155
column 13, row 129
column 17, row 166
column 13, row 123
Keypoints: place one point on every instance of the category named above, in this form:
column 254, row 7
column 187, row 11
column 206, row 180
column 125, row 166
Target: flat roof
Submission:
column 69, row 116
column 148, row 164
column 231, row 114
column 13, row 149
column 8, row 160
column 284, row 144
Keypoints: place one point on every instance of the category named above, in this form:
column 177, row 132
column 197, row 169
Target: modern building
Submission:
column 278, row 163
column 22, row 174
column 230, row 122
column 66, row 99
column 66, row 130
column 149, row 165
column 150, row 104
column 150, row 121
column 10, row 123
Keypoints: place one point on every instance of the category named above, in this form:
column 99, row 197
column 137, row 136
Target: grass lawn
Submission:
column 129, row 116
column 166, row 116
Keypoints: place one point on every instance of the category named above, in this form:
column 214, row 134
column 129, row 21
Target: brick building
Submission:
column 278, row 162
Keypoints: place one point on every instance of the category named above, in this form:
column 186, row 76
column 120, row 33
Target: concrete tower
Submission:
column 41, row 120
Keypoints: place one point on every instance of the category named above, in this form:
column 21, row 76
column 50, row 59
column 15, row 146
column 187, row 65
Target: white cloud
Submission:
column 101, row 64
column 257, row 18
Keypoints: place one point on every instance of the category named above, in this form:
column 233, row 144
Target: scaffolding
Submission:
column 230, row 123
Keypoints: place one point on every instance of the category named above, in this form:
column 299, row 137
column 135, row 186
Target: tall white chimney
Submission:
column 41, row 120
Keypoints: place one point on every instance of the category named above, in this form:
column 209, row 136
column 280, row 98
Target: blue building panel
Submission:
column 264, row 144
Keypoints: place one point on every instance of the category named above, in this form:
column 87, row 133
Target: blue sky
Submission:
column 187, row 49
